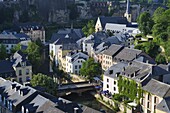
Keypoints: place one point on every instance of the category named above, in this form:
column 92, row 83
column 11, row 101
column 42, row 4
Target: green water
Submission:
column 88, row 100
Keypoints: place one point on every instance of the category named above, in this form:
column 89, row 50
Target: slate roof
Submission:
column 6, row 66
column 116, row 20
column 140, row 69
column 164, row 105
column 36, row 101
column 78, row 32
column 7, row 36
column 157, row 88
column 22, row 36
column 65, row 37
column 38, row 104
column 116, row 68
column 128, row 54
column 113, row 50
column 18, row 58
column 77, row 55
column 27, row 26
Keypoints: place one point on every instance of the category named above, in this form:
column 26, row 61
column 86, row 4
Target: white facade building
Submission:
column 9, row 41
column 110, row 78
column 74, row 61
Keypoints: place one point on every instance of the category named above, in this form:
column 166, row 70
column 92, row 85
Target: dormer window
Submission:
column 23, row 64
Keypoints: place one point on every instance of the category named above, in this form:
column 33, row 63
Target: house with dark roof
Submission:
column 118, row 23
column 74, row 61
column 34, row 30
column 18, row 68
column 126, row 19
column 17, row 98
column 64, row 40
column 9, row 41
column 156, row 97
column 119, row 53
column 147, row 76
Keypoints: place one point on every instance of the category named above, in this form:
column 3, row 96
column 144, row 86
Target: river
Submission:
column 88, row 100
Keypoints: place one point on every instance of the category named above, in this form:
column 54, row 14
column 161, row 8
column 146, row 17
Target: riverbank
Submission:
column 89, row 100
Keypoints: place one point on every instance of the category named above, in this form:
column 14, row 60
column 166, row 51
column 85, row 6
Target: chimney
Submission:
column 76, row 110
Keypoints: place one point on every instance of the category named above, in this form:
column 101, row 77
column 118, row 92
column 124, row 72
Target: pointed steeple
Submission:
column 128, row 13
column 128, row 7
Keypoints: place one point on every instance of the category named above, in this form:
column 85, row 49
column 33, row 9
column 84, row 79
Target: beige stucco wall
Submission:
column 107, row 62
column 24, row 74
column 151, row 102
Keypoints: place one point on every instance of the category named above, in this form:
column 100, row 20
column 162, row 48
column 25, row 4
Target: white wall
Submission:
column 98, row 26
column 110, row 82
column 54, row 48
column 70, row 66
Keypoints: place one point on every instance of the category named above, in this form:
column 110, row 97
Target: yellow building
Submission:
column 156, row 97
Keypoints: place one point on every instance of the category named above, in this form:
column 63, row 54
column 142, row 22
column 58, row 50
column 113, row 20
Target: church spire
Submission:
column 128, row 13
column 128, row 7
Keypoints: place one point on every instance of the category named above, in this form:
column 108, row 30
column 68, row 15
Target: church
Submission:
column 118, row 24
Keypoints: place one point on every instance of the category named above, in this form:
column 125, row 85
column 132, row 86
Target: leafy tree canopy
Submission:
column 3, row 53
column 145, row 23
column 34, row 55
column 89, row 28
column 160, row 59
column 45, row 82
column 150, row 48
column 90, row 69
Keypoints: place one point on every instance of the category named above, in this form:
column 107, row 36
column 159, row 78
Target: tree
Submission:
column 145, row 23
column 150, row 48
column 161, row 21
column 164, row 36
column 90, row 69
column 33, row 51
column 45, row 82
column 160, row 59
column 89, row 28
column 3, row 53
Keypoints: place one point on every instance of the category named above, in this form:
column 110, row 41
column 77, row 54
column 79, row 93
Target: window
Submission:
column 148, row 105
column 79, row 66
column 75, row 72
column 75, row 67
column 149, row 97
column 10, row 106
column 107, row 86
column 20, row 72
column 154, row 107
column 20, row 79
column 114, row 88
column 107, row 80
column 28, row 79
column 114, row 82
column 155, row 100
column 27, row 71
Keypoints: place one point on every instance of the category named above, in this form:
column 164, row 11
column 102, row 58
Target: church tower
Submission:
column 128, row 15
